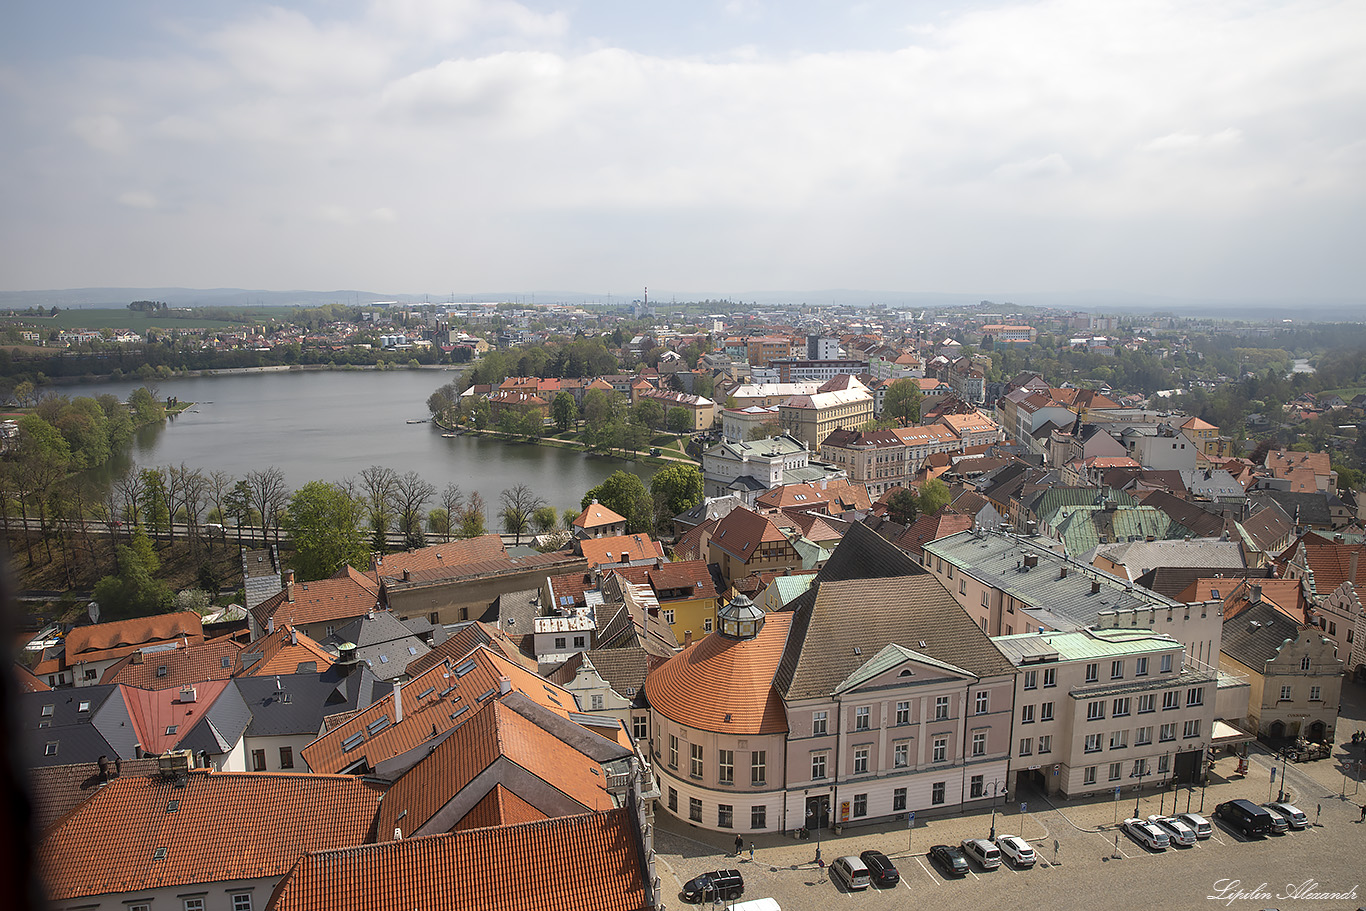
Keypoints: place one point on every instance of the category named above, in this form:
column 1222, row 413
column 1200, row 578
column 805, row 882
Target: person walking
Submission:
column 1363, row 813
column 751, row 852
column 739, row 845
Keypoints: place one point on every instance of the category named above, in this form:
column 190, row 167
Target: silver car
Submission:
column 1177, row 831
column 1279, row 823
column 1293, row 815
column 1146, row 834
column 1200, row 824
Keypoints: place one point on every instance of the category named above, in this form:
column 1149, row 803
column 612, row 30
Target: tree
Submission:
column 676, row 489
column 679, row 420
column 324, row 522
column 134, row 590
column 377, row 487
column 411, row 493
column 268, row 496
column 451, row 501
column 564, row 411
column 902, row 506
column 648, row 413
column 624, row 494
column 472, row 522
column 520, row 502
column 902, row 402
column 145, row 406
column 934, row 496
column 544, row 519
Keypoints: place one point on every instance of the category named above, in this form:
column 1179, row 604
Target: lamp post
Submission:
column 1285, row 757
column 994, row 785
column 1138, row 792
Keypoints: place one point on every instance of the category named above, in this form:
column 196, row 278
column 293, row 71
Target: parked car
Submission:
column 1201, row 825
column 1016, row 850
column 852, row 872
column 1146, row 834
column 1279, row 824
column 950, row 859
column 880, row 868
column 727, row 884
column 1177, row 831
column 1292, row 814
column 1245, row 816
column 987, row 855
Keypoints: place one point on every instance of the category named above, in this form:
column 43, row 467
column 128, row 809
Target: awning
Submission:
column 1226, row 734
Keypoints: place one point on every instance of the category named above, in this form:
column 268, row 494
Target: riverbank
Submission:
column 90, row 378
column 669, row 455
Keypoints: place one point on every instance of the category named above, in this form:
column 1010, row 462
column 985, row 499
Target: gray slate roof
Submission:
column 298, row 703
column 105, row 729
column 1254, row 635
column 222, row 726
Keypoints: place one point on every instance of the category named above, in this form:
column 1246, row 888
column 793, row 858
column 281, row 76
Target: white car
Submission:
column 1146, row 834
column 1200, row 824
column 1292, row 814
column 1016, row 850
column 1177, row 831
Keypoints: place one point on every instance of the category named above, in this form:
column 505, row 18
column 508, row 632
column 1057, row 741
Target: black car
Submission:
column 950, row 859
column 726, row 884
column 880, row 869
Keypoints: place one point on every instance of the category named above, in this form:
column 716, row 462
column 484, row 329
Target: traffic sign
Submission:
column 1024, row 807
column 910, row 819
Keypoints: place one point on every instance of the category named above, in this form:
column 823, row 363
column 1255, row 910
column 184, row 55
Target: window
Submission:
column 579, row 642
column 1167, row 732
column 900, row 755
column 706, row 628
column 818, row 722
column 725, row 766
column 962, row 586
column 1095, row 711
column 1164, row 763
column 1050, row 676
column 817, row 766
column 258, row 760
column 1046, row 743
column 1093, row 743
column 903, row 713
column 1315, row 694
column 161, row 670
column 1171, row 700
column 860, row 804
column 978, row 787
column 941, row 749
column 1120, row 707
column 47, row 711
column 1116, row 770
column 140, row 906
column 1139, row 769
column 694, row 809
column 1026, row 745
column 1031, row 680
column 1046, row 712
column 1192, row 729
column 1092, row 672
column 193, row 904
column 1089, row 776
column 1119, row 740
column 758, row 818
column 950, row 570
column 1195, row 696
column 695, row 769
column 640, row 726
column 1141, row 667
column 597, row 702
column 861, row 761
column 1286, row 691
column 1143, row 737
column 1147, row 703
column 1116, row 670
column 979, row 743
column 1304, row 663
column 50, row 748
column 83, row 706
column 984, row 599
column 1166, row 664
column 861, row 718
column 673, row 751
column 560, row 642
column 898, row 799
column 1026, row 714
column 937, row 791
column 941, row 708
column 673, row 799
column 286, row 757
column 669, row 617
column 331, row 630
column 982, row 703
column 241, row 901
column 725, row 816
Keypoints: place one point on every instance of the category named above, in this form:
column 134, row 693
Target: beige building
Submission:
column 812, row 418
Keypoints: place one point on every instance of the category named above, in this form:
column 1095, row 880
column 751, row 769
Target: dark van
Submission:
column 1245, row 816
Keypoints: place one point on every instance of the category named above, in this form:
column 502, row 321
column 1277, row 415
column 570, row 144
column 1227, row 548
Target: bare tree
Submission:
column 268, row 496
column 411, row 493
column 377, row 487
column 453, row 501
column 217, row 489
column 194, row 488
column 519, row 502
column 130, row 491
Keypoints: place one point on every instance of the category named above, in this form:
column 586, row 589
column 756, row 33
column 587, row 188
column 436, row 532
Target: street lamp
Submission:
column 1139, row 772
column 1285, row 757
column 994, row 785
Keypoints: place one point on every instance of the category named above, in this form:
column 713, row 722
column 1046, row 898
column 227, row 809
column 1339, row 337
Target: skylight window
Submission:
column 483, row 696
column 47, row 711
column 353, row 741
column 51, row 748
column 427, row 692
column 84, row 706
column 460, row 711
column 159, row 854
column 226, row 661
column 383, row 659
column 171, row 729
column 172, row 806
column 464, row 669
column 412, row 650
column 378, row 724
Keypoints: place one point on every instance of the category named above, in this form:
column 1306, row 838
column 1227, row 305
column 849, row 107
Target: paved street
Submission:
column 1100, row 867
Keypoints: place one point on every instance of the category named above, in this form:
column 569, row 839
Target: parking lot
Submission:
column 1098, row 866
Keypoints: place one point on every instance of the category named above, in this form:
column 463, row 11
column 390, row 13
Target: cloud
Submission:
column 1049, row 166
column 137, row 199
column 102, row 132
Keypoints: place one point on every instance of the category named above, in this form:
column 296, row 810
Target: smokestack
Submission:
column 270, row 624
column 289, row 585
column 1062, row 574
column 687, row 638
column 1352, row 566
column 504, row 685
column 398, row 702
column 1095, row 586
column 1256, row 596
column 293, row 636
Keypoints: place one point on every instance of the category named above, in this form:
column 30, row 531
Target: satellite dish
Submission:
column 93, row 609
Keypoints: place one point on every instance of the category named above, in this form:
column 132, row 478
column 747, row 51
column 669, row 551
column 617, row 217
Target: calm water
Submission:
column 331, row 425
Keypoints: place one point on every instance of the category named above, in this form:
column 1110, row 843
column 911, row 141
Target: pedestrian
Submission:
column 751, row 852
column 739, row 844
column 1363, row 813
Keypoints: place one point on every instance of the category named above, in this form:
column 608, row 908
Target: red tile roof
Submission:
column 346, row 595
column 121, row 637
column 56, row 790
column 25, row 680
column 596, row 515
column 592, row 862
column 224, row 826
column 690, row 546
column 839, row 494
column 619, row 549
column 499, row 807
column 742, row 530
column 178, row 666
column 931, row 528
column 451, row 553
column 162, row 718
column 281, row 652
column 1332, row 563
column 477, row 633
column 724, row 685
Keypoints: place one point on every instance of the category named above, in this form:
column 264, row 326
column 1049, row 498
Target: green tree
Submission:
column 675, row 490
column 134, row 590
column 324, row 521
column 902, row 506
column 472, row 521
column 902, row 402
column 624, row 494
column 648, row 413
column 679, row 420
column 564, row 411
column 145, row 406
column 934, row 496
column 544, row 519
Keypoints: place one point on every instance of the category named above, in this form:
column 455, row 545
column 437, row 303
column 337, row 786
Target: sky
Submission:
column 1210, row 150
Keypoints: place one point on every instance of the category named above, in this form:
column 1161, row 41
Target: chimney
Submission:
column 687, row 638
column 188, row 694
column 1062, row 574
column 293, row 636
column 407, row 576
column 137, row 657
column 1095, row 586
column 1256, row 596
column 504, row 685
column 398, row 702
column 289, row 585
column 1352, row 566
column 270, row 624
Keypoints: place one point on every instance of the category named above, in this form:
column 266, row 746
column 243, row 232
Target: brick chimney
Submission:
column 289, row 585
column 1352, row 566
column 687, row 638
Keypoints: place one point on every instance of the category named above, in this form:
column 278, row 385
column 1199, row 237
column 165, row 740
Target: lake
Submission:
column 329, row 425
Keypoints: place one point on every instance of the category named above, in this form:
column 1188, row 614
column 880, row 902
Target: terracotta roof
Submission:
column 437, row 700
column 56, row 790
column 724, row 685
column 840, row 494
column 742, row 530
column 499, row 807
column 470, row 637
column 595, row 515
column 162, row 718
column 347, row 594
column 1195, row 423
column 420, row 801
column 693, row 575
column 121, row 637
column 451, row 553
column 1283, row 462
column 281, row 652
column 1331, row 564
column 25, row 680
column 592, row 862
column 690, row 546
column 214, row 659
column 223, row 826
column 931, row 528
column 619, row 548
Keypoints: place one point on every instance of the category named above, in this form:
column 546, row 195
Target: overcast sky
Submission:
column 1207, row 149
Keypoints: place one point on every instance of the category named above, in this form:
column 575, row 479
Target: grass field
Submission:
column 1346, row 394
column 125, row 319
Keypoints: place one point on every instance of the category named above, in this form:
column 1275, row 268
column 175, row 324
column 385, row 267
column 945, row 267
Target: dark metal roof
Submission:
column 1255, row 635
column 298, row 703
